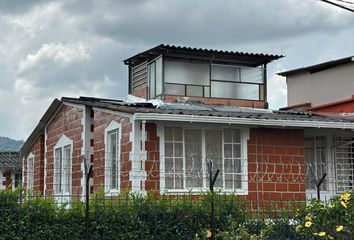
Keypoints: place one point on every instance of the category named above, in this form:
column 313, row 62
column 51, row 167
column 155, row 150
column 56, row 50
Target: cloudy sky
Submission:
column 50, row 49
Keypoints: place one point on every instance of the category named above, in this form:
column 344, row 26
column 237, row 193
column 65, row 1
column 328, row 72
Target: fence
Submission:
column 139, row 217
column 180, row 196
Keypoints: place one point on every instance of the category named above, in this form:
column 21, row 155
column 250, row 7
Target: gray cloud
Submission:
column 58, row 48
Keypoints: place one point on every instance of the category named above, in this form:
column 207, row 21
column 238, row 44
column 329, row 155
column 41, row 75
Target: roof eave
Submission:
column 39, row 130
column 243, row 121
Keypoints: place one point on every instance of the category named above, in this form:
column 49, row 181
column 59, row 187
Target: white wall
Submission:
column 331, row 85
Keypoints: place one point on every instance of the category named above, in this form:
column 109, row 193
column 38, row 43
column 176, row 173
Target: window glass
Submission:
column 174, row 89
column 186, row 158
column 159, row 76
column 213, row 141
column 173, row 158
column 344, row 160
column 186, row 73
column 233, row 161
column 195, row 91
column 193, row 150
column 58, row 170
column 253, row 75
column 234, row 90
column 113, row 159
column 225, row 73
column 30, row 173
column 67, row 169
column 152, row 79
column 315, row 159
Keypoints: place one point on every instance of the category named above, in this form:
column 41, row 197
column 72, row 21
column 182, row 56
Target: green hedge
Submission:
column 133, row 216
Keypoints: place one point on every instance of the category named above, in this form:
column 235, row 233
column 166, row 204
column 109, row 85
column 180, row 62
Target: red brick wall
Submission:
column 217, row 101
column 276, row 164
column 142, row 93
column 101, row 122
column 37, row 150
column 68, row 122
column 152, row 165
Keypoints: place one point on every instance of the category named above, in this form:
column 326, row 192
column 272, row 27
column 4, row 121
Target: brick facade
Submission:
column 68, row 122
column 276, row 164
column 101, row 122
column 152, row 164
column 142, row 93
column 37, row 150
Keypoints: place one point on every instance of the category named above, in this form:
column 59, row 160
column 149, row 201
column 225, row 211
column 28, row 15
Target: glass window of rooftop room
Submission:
column 186, row 73
column 234, row 90
column 252, row 75
column 155, row 77
column 225, row 73
column 152, row 79
column 158, row 72
column 174, row 89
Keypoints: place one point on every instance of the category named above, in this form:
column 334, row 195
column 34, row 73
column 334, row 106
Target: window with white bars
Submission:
column 30, row 172
column 62, row 170
column 63, row 167
column 187, row 151
column 344, row 163
column 112, row 158
column 316, row 161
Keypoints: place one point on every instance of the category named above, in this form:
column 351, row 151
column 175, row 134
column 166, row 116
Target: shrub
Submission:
column 327, row 221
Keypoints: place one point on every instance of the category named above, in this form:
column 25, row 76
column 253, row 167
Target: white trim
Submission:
column 241, row 121
column 112, row 127
column 244, row 131
column 114, row 112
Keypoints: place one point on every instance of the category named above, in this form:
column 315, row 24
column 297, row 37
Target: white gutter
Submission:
column 241, row 121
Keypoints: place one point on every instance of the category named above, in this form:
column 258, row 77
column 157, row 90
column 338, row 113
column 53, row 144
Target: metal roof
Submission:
column 211, row 55
column 318, row 67
column 203, row 110
column 187, row 110
column 10, row 161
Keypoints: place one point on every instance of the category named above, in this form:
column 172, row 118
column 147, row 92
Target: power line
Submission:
column 339, row 5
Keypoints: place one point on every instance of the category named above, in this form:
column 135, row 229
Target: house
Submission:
column 333, row 78
column 188, row 108
column 10, row 170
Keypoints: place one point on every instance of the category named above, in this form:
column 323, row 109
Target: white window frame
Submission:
column 30, row 172
column 63, row 143
column 113, row 126
column 244, row 167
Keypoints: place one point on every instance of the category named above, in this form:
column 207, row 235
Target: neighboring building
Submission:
column 10, row 170
column 325, row 87
column 201, row 105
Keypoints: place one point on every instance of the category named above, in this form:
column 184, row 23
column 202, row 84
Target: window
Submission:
column 187, row 151
column 155, row 77
column 62, row 166
column 30, row 171
column 18, row 180
column 316, row 161
column 112, row 160
column 344, row 159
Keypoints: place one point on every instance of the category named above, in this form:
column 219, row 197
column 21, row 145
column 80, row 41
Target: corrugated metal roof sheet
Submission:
column 318, row 67
column 251, row 59
column 10, row 161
